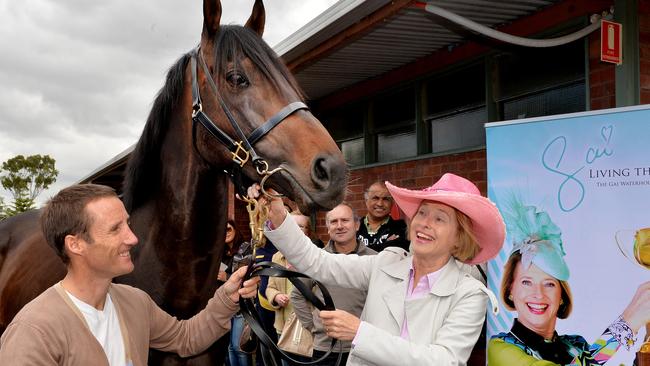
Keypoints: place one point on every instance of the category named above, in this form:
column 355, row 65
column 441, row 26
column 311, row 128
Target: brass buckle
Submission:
column 196, row 109
column 237, row 157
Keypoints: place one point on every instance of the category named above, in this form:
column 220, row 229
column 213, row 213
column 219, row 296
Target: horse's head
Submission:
column 254, row 91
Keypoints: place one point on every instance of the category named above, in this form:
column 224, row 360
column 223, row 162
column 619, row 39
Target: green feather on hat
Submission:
column 537, row 238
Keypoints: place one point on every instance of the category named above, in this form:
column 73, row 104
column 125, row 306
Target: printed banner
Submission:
column 575, row 192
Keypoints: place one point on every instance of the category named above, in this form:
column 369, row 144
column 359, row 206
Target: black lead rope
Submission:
column 271, row 353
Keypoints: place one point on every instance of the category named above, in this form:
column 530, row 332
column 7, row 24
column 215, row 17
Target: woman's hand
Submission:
column 249, row 289
column 340, row 324
column 637, row 313
column 277, row 211
column 282, row 300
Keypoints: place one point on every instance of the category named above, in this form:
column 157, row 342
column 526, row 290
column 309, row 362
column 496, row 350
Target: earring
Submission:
column 510, row 297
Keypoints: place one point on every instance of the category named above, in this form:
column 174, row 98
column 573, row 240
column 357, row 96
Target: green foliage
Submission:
column 21, row 204
column 2, row 208
column 25, row 178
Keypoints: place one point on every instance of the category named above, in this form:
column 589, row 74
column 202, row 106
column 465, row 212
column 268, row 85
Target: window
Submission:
column 394, row 125
column 534, row 84
column 530, row 69
column 458, row 131
column 561, row 99
column 346, row 127
column 396, row 145
column 456, row 90
column 456, row 109
column 353, row 151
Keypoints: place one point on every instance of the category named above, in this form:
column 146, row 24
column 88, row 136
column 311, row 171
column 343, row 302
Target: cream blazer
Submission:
column 443, row 326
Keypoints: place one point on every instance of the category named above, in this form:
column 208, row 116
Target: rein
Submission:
column 271, row 353
column 241, row 151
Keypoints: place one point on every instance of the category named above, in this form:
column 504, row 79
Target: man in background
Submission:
column 342, row 225
column 377, row 230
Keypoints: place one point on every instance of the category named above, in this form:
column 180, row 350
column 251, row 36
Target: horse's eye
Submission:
column 237, row 80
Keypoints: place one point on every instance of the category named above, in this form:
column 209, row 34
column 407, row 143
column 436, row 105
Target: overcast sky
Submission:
column 77, row 77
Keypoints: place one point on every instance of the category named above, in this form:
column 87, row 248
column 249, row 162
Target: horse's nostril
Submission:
column 320, row 172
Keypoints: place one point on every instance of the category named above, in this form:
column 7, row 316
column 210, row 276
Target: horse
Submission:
column 228, row 105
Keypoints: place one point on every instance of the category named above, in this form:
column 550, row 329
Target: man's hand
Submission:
column 281, row 299
column 232, row 289
column 340, row 324
column 222, row 276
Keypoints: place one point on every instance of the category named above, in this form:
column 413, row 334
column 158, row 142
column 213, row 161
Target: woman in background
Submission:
column 235, row 256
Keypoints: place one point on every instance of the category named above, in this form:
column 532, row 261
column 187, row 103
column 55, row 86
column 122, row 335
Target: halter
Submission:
column 241, row 151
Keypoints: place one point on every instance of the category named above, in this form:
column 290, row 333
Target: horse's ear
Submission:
column 256, row 21
column 211, row 16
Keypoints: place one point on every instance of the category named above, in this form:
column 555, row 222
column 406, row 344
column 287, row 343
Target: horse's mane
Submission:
column 144, row 166
column 143, row 172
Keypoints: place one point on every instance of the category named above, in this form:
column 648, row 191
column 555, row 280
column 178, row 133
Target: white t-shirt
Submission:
column 105, row 326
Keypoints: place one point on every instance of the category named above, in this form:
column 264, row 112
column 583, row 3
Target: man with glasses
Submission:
column 377, row 230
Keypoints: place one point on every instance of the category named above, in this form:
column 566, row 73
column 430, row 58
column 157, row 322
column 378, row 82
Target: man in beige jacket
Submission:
column 86, row 319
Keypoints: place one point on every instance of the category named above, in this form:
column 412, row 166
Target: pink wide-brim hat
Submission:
column 463, row 195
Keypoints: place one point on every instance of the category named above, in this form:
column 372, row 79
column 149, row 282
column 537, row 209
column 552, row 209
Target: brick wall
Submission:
column 601, row 75
column 602, row 88
column 644, row 50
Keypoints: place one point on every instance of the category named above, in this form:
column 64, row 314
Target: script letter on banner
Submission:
column 611, row 42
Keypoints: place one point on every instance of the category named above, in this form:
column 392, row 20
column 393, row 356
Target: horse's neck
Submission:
column 194, row 210
column 181, row 232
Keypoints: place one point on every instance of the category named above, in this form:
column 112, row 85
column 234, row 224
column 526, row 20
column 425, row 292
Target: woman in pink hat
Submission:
column 422, row 308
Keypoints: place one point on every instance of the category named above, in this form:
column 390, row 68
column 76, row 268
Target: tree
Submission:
column 21, row 204
column 2, row 208
column 25, row 178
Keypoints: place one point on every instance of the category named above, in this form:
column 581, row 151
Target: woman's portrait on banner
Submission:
column 535, row 285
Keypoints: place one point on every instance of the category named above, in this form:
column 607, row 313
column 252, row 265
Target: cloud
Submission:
column 77, row 77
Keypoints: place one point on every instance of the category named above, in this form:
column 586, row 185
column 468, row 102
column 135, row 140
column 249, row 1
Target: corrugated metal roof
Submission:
column 410, row 34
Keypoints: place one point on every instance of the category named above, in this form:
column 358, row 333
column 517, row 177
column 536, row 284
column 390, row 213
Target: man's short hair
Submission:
column 380, row 183
column 65, row 214
column 355, row 217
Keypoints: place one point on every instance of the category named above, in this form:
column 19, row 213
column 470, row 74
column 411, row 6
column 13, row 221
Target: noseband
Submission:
column 242, row 150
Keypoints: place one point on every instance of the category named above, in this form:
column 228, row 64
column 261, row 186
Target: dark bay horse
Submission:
column 175, row 187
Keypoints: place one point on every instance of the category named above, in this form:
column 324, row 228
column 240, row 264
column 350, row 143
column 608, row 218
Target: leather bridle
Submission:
column 240, row 147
